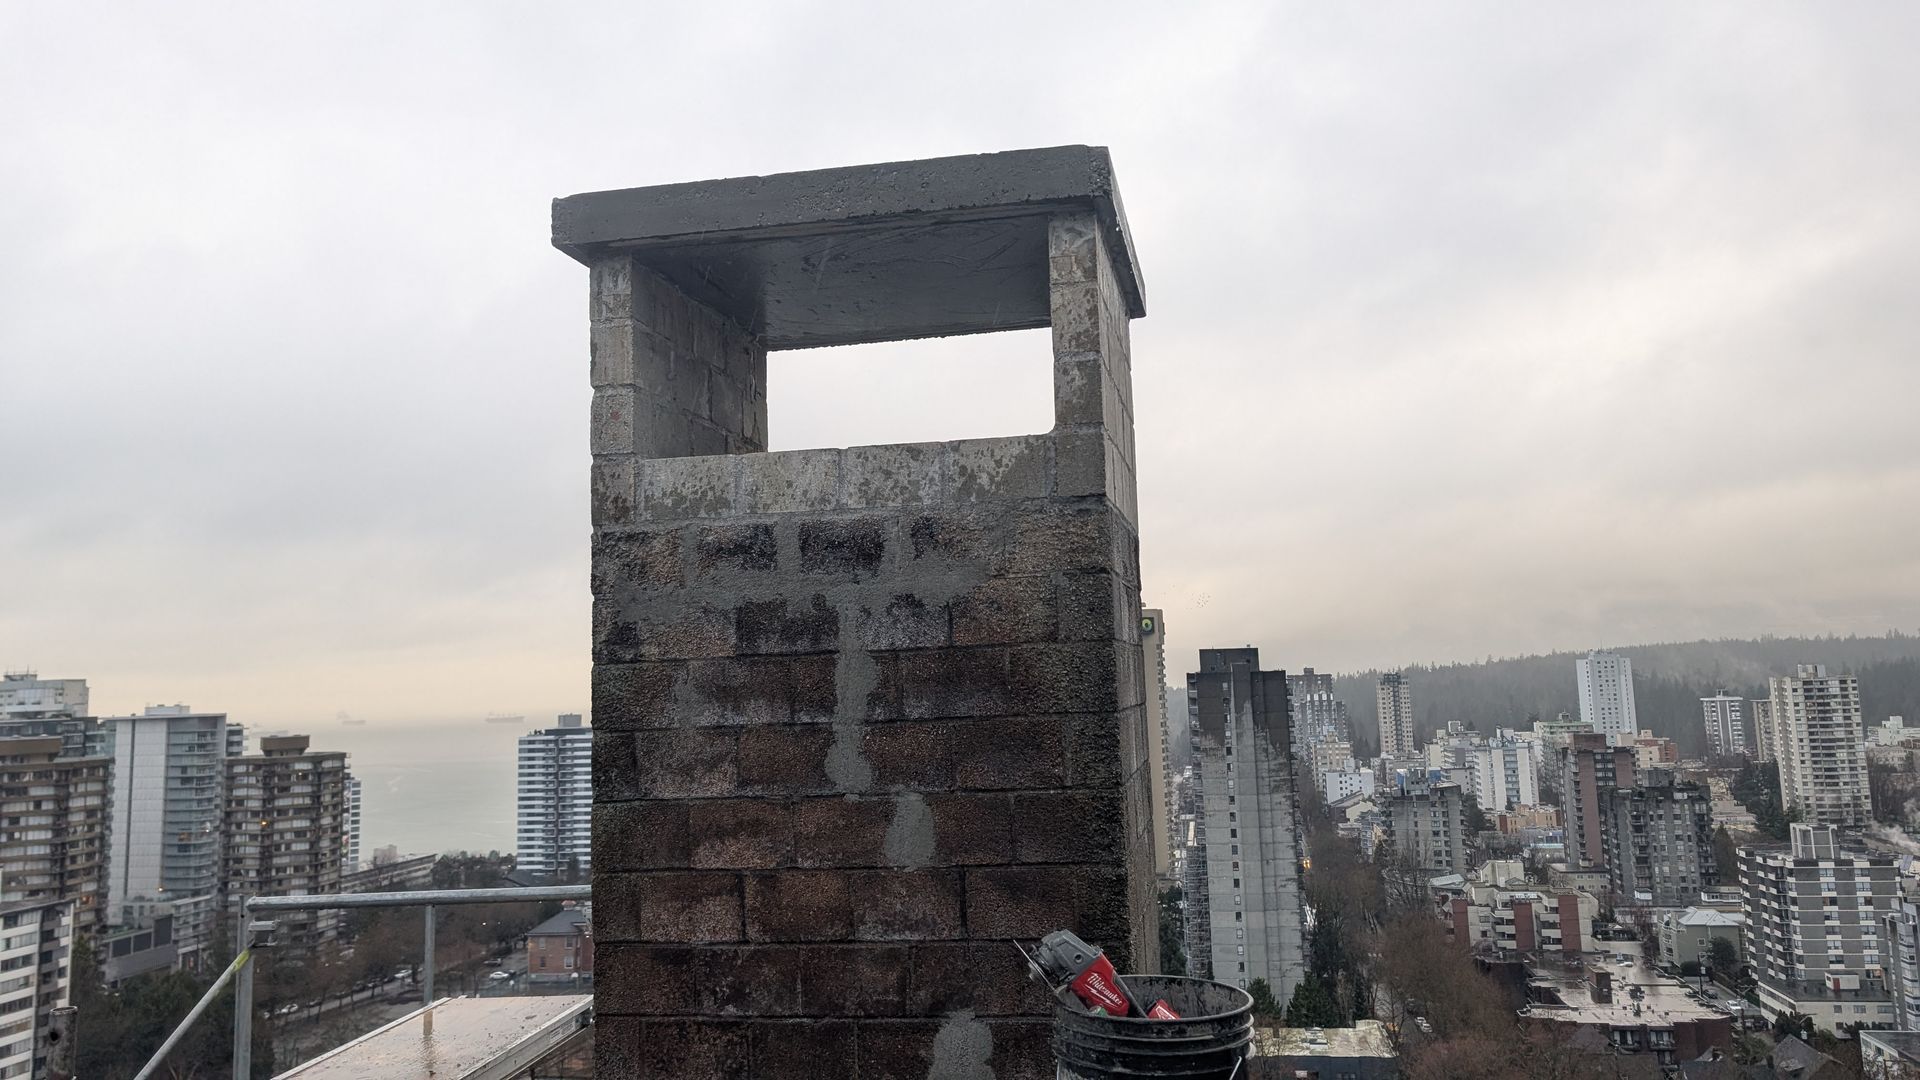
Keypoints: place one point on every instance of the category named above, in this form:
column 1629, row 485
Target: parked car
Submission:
column 288, row 1009
column 500, row 976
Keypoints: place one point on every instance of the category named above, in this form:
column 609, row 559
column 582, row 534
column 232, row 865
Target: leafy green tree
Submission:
column 1264, row 1005
column 1313, row 1005
column 1470, row 813
column 1724, row 956
column 1173, row 949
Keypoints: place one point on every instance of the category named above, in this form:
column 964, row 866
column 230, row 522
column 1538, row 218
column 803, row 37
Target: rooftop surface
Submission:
column 1367, row 1038
column 866, row 253
column 1662, row 1000
column 1903, row 1044
column 472, row 1039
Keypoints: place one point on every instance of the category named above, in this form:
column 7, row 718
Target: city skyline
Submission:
column 354, row 454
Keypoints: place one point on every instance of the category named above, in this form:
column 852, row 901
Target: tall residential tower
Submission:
column 1395, row 698
column 555, row 832
column 1819, row 738
column 1606, row 694
column 1245, row 889
column 1726, row 726
column 164, row 837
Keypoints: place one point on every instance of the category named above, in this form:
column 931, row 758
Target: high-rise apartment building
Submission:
column 1900, row 931
column 285, row 832
column 1317, row 714
column 1726, row 724
column 36, row 943
column 1153, row 650
column 555, row 833
column 1394, row 696
column 164, row 833
column 1426, row 827
column 1658, row 836
column 1762, row 709
column 1589, row 768
column 1606, row 693
column 53, row 824
column 1506, row 772
column 1816, row 916
column 350, row 838
column 1819, row 739
column 1246, row 872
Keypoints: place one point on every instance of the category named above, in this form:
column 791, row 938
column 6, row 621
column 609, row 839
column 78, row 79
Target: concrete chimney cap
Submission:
column 864, row 253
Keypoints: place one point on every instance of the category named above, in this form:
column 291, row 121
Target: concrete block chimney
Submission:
column 861, row 715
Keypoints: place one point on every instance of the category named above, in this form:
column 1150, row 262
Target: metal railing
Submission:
column 258, row 933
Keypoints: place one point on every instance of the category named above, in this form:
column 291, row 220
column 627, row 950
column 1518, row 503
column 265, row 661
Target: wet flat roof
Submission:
column 473, row 1039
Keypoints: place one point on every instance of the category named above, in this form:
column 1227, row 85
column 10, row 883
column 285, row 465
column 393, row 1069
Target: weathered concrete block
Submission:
column 736, row 834
column 880, row 477
column 794, row 481
column 692, row 487
column 1000, row 470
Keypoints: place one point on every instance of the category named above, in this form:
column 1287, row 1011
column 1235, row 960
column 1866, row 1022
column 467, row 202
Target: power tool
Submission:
column 1061, row 957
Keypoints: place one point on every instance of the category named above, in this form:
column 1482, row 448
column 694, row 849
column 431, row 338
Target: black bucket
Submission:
column 1214, row 1033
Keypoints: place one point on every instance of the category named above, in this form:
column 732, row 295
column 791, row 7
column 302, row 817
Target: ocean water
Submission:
column 431, row 786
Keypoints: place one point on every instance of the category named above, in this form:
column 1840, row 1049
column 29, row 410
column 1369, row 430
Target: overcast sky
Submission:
column 1471, row 328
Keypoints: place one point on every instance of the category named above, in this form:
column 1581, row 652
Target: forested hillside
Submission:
column 1669, row 681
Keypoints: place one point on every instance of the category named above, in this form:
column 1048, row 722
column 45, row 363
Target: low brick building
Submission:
column 561, row 948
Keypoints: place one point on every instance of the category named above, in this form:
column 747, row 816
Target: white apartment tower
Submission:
column 164, row 837
column 350, row 842
column 1153, row 648
column 1819, row 738
column 1606, row 694
column 1726, row 726
column 1243, row 903
column 1395, row 698
column 1506, row 772
column 555, row 833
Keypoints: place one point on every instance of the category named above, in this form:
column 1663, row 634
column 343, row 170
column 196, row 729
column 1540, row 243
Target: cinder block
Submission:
column 677, row 488
column 881, row 477
column 911, row 755
column 853, row 548
column 835, row 832
column 691, row 1050
column 1070, row 826
column 680, row 907
column 799, row 905
column 1000, row 470
column 1093, row 752
column 1022, row 1050
column 785, row 760
column 790, row 482
column 646, row 558
column 815, row 688
column 1026, row 902
column 803, row 1048
column 855, row 980
column 906, row 905
column 612, row 431
column 954, row 682
column 898, row 1049
column 904, row 621
column 782, row 626
column 681, row 764
column 612, row 495
column 740, row 833
column 727, row 552
column 610, row 351
column 971, row 830
column 1011, row 753
column 610, row 289
column 648, row 835
column 1064, row 678
column 1003, row 611
column 616, row 775
column 1081, row 463
column 734, row 690
column 986, row 978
